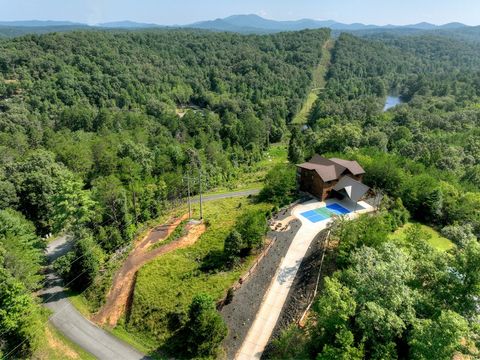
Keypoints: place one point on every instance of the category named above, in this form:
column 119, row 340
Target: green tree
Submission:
column 81, row 266
column 73, row 206
column 280, row 185
column 38, row 179
column 20, row 321
column 205, row 328
column 23, row 255
column 343, row 348
column 438, row 339
column 233, row 247
column 252, row 227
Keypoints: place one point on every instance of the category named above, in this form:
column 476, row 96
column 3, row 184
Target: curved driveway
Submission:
column 77, row 328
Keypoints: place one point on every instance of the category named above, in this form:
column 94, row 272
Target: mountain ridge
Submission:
column 244, row 24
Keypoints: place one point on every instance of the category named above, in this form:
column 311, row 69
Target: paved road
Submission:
column 77, row 328
column 73, row 325
column 227, row 195
column 274, row 299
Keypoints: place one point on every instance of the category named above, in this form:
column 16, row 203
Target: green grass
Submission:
column 168, row 284
column 318, row 84
column 434, row 238
column 302, row 117
column 144, row 344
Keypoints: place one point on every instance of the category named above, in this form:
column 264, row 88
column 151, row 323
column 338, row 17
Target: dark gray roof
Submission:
column 331, row 169
column 354, row 189
column 353, row 166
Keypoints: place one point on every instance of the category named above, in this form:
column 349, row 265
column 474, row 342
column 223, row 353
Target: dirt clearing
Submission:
column 124, row 280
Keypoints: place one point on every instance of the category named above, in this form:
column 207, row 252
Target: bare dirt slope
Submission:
column 124, row 280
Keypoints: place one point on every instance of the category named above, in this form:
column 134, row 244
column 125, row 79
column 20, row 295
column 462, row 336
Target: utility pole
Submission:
column 134, row 195
column 200, row 190
column 189, row 201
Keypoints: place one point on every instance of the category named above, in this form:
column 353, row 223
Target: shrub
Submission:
column 63, row 265
column 205, row 328
column 459, row 234
column 230, row 295
column 233, row 247
column 252, row 227
column 80, row 266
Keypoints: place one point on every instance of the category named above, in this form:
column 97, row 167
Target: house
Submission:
column 325, row 178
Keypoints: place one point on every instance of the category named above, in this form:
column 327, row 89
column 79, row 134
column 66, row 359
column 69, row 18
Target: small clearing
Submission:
column 433, row 237
column 124, row 280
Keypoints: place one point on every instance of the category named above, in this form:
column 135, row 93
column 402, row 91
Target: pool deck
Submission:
column 277, row 293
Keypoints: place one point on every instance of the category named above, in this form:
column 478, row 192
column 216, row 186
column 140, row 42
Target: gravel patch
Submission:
column 240, row 313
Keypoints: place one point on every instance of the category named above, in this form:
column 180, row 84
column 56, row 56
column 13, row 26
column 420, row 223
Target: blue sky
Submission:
column 171, row 12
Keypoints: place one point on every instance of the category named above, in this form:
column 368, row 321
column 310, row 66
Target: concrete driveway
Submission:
column 276, row 295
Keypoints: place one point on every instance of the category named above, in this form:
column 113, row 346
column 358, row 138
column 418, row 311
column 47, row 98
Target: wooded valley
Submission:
column 100, row 130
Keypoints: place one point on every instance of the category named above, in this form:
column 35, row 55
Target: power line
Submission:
column 121, row 227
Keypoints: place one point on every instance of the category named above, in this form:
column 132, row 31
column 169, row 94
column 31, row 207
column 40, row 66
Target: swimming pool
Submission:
column 325, row 213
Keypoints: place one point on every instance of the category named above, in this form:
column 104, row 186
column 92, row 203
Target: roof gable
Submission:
column 354, row 189
column 325, row 168
column 352, row 166
column 331, row 169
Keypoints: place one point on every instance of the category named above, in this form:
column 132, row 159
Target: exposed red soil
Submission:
column 124, row 279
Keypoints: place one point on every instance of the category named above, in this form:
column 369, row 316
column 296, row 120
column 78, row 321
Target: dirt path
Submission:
column 124, row 280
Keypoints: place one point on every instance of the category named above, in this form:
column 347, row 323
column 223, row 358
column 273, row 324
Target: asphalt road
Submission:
column 72, row 324
column 77, row 328
column 227, row 195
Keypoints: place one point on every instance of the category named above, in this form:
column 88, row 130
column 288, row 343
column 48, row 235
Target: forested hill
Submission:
column 131, row 70
column 103, row 104
column 98, row 129
column 395, row 298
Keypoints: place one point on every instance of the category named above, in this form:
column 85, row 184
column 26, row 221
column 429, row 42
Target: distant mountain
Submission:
column 127, row 25
column 255, row 23
column 38, row 23
column 247, row 24
column 453, row 25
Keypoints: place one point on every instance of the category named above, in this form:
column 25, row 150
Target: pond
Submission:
column 392, row 101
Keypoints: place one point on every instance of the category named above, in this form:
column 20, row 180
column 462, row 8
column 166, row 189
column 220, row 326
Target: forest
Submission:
column 98, row 130
column 390, row 297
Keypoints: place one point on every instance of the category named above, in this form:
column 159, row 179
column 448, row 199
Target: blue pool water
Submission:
column 325, row 213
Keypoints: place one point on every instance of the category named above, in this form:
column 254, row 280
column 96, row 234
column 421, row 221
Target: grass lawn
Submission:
column 435, row 239
column 167, row 285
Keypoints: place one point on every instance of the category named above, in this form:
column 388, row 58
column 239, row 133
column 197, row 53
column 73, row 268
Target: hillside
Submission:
column 393, row 287
column 91, row 142
column 103, row 133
